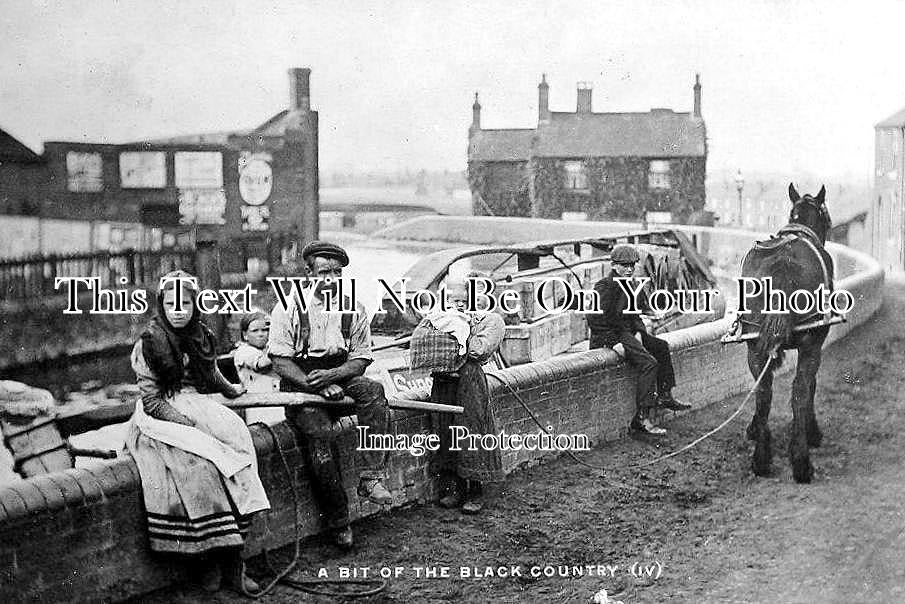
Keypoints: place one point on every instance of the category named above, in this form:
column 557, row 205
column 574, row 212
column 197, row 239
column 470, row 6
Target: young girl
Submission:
column 197, row 463
column 254, row 367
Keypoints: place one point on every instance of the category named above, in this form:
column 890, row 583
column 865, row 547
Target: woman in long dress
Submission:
column 197, row 463
column 454, row 345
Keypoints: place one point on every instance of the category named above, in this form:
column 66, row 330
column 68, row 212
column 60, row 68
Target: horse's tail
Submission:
column 775, row 332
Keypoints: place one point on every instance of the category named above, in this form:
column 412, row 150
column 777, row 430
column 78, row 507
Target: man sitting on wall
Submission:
column 327, row 353
column 650, row 356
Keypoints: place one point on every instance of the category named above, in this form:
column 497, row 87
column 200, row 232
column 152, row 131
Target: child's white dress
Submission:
column 247, row 359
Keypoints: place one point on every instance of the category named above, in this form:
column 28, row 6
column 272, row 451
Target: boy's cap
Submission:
column 325, row 249
column 624, row 254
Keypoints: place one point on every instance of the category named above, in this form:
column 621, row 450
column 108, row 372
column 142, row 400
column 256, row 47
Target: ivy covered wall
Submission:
column 503, row 186
column 618, row 189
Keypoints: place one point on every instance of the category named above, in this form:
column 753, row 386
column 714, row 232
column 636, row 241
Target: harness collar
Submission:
column 786, row 235
column 794, row 228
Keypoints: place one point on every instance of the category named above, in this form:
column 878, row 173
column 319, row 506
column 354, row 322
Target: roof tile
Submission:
column 658, row 133
column 500, row 145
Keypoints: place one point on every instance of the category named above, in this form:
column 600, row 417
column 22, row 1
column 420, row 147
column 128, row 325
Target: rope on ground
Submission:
column 718, row 428
column 310, row 586
column 537, row 421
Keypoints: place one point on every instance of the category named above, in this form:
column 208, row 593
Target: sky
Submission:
column 788, row 87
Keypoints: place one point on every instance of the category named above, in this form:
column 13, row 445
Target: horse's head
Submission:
column 810, row 211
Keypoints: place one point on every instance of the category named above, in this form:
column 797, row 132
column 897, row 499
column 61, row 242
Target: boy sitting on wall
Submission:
column 648, row 354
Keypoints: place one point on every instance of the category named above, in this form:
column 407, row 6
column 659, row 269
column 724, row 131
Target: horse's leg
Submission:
column 799, row 456
column 815, row 436
column 758, row 429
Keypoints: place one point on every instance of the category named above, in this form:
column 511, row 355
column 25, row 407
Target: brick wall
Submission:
column 79, row 535
column 40, row 189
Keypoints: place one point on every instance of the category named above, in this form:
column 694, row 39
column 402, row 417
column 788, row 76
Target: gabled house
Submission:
column 615, row 166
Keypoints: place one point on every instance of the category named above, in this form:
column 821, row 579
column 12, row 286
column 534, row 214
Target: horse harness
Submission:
column 782, row 240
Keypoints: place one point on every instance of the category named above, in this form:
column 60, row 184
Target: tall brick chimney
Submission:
column 300, row 89
column 697, row 95
column 475, row 115
column 584, row 97
column 543, row 100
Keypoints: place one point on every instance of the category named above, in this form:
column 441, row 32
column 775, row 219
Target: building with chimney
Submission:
column 887, row 212
column 607, row 166
column 240, row 187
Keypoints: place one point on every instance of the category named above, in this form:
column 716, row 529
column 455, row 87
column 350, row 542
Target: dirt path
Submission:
column 719, row 534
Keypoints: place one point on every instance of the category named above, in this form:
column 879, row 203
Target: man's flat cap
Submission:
column 325, row 249
column 624, row 254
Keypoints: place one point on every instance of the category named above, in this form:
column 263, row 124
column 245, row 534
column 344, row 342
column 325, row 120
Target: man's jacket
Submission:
column 611, row 324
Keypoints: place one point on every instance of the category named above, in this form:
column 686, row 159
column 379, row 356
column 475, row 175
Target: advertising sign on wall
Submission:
column 199, row 169
column 84, row 172
column 254, row 218
column 143, row 169
column 255, row 182
column 202, row 206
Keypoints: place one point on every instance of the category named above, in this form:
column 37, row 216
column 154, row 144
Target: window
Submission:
column 658, row 177
column 576, row 175
column 894, row 169
column 888, row 155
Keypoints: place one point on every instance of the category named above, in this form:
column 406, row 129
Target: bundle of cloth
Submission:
column 440, row 341
column 453, row 345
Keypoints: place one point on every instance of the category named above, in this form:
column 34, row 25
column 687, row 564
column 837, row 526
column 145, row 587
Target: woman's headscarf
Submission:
column 163, row 345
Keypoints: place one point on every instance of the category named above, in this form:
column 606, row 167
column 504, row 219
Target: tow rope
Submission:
column 690, row 445
column 311, row 586
column 375, row 586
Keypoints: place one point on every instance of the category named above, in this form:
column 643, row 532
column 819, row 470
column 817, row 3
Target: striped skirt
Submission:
column 191, row 506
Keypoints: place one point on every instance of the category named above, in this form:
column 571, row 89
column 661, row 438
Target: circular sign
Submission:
column 256, row 182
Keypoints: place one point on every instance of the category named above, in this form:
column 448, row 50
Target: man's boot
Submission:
column 478, row 497
column 667, row 401
column 343, row 537
column 645, row 426
column 452, row 490
column 373, row 490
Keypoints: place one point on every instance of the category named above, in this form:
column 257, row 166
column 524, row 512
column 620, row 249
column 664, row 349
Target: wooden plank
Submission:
column 78, row 422
column 37, row 448
column 93, row 419
column 55, row 461
column 13, row 428
column 84, row 421
column 734, row 335
column 303, row 399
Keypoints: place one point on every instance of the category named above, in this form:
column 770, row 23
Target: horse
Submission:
column 795, row 258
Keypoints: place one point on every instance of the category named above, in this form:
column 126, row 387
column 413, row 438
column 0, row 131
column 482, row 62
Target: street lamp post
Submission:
column 740, row 186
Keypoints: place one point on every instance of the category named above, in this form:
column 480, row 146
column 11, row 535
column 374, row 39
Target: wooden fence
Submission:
column 30, row 278
column 22, row 279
